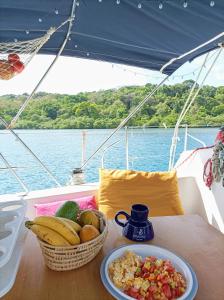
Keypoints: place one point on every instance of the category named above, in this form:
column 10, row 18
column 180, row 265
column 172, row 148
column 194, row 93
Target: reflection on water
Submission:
column 60, row 150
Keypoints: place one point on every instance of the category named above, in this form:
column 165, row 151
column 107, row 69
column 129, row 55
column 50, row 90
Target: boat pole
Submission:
column 185, row 137
column 83, row 146
column 72, row 16
column 126, row 147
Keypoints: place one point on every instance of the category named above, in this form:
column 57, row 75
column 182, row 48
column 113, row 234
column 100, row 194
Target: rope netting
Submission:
column 14, row 56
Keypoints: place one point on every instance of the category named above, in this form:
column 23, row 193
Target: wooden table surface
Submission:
column 188, row 236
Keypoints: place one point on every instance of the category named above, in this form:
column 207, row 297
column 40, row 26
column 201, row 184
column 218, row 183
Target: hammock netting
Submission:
column 14, row 56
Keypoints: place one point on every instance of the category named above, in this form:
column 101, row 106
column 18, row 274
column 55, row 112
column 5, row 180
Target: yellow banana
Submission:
column 73, row 224
column 48, row 235
column 60, row 226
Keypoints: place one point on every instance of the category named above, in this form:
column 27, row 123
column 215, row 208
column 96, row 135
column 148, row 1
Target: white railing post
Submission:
column 83, row 147
column 185, row 137
column 126, row 147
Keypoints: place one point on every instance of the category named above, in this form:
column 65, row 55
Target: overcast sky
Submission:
column 73, row 75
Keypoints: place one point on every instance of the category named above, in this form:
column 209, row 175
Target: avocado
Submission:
column 68, row 210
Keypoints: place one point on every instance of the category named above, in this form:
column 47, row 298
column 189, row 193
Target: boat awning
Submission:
column 147, row 33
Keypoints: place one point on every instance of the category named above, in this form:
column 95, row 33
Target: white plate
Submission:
column 149, row 250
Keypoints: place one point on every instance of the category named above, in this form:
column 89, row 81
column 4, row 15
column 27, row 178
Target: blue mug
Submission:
column 137, row 227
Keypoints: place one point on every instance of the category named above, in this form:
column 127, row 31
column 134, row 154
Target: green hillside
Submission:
column 105, row 109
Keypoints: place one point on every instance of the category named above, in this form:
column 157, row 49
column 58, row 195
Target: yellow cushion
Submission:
column 120, row 189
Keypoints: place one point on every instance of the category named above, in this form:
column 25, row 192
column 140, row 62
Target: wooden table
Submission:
column 189, row 236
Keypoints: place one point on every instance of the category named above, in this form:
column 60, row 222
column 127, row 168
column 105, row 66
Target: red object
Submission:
column 18, row 66
column 220, row 136
column 12, row 57
column 207, row 175
column 167, row 291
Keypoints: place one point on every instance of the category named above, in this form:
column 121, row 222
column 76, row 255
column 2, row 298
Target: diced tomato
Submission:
column 153, row 258
column 152, row 289
column 159, row 277
column 133, row 292
column 173, row 292
column 169, row 269
column 146, row 275
column 152, row 269
column 144, row 270
column 149, row 297
column 167, row 291
column 164, row 280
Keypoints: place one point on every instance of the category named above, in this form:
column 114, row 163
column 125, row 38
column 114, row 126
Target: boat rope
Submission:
column 189, row 103
column 207, row 173
column 214, row 166
column 218, row 162
column 15, row 56
column 70, row 22
column 175, row 135
column 9, row 126
column 192, row 153
column 124, row 122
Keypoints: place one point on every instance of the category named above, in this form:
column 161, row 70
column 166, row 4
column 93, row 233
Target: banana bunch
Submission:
column 55, row 231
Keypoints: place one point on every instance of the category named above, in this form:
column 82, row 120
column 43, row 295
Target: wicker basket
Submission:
column 72, row 257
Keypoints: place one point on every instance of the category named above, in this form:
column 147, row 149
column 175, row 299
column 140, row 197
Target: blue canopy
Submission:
column 142, row 33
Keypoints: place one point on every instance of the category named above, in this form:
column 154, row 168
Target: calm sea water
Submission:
column 60, row 151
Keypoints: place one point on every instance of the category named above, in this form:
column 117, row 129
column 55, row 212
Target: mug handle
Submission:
column 121, row 213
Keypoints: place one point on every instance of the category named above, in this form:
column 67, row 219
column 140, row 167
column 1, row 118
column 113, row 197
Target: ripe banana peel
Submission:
column 73, row 224
column 46, row 234
column 59, row 226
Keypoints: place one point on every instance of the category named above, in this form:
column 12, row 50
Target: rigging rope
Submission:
column 124, row 122
column 70, row 20
column 188, row 104
column 215, row 172
column 14, row 56
column 175, row 135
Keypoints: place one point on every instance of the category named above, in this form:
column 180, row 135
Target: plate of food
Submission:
column 146, row 272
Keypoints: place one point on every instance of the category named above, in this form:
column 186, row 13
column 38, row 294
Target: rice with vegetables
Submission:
column 146, row 279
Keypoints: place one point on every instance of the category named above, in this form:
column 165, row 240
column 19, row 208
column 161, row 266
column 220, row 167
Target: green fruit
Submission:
column 68, row 210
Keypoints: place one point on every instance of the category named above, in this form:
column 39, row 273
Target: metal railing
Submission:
column 188, row 135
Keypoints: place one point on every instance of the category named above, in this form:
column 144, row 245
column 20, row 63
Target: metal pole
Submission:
column 83, row 146
column 31, row 152
column 126, row 147
column 197, row 140
column 14, row 173
column 124, row 122
column 176, row 129
column 185, row 137
column 48, row 69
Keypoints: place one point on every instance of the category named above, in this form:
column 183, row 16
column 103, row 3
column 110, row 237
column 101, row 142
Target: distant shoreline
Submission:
column 107, row 109
column 129, row 127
